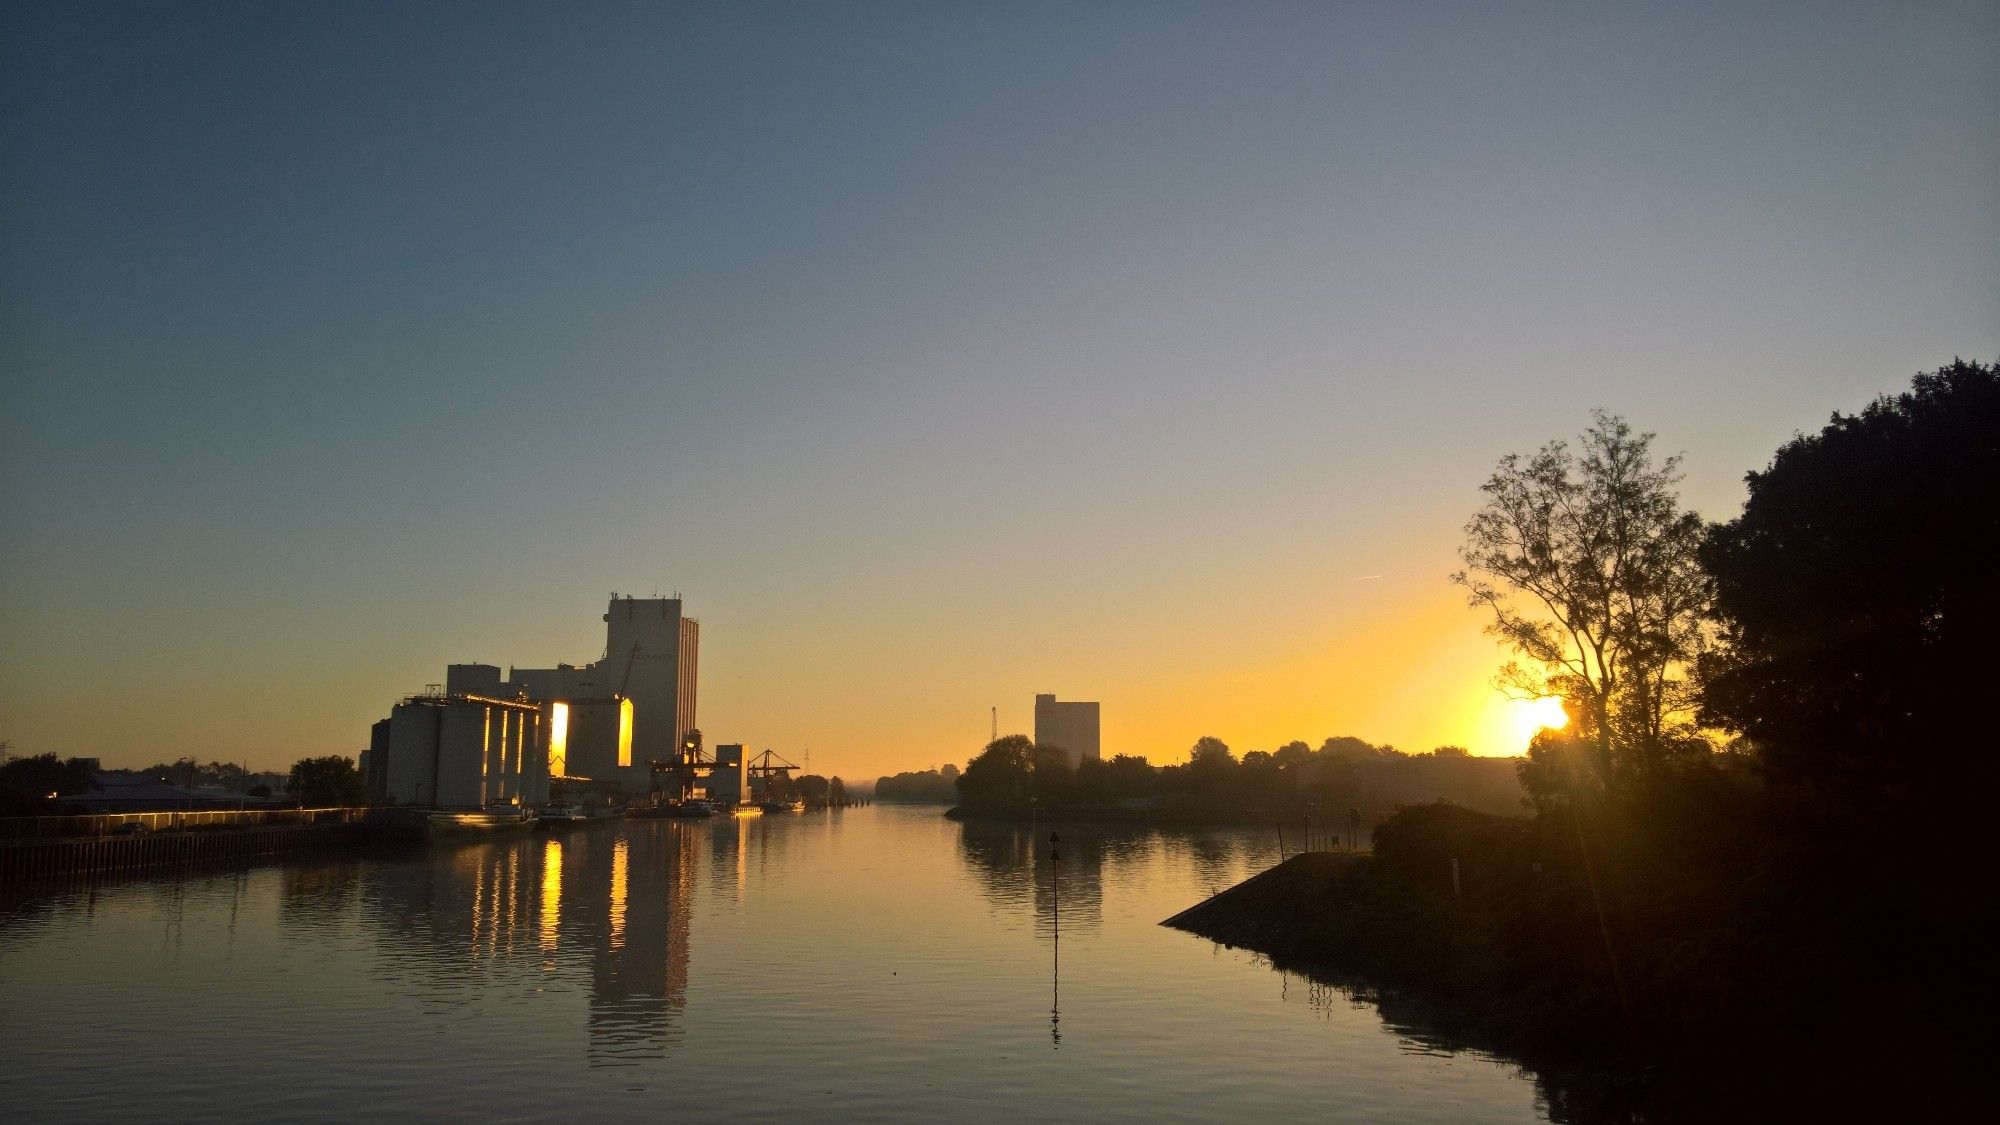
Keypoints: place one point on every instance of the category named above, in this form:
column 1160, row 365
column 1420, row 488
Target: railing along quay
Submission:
column 60, row 856
column 104, row 824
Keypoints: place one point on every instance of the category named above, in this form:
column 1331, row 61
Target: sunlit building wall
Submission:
column 624, row 733
column 1070, row 726
column 591, row 731
column 557, row 719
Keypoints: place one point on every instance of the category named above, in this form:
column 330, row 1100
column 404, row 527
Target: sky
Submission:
column 937, row 355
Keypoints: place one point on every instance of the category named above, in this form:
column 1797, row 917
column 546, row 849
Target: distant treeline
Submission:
column 810, row 788
column 1345, row 778
column 39, row 784
column 920, row 787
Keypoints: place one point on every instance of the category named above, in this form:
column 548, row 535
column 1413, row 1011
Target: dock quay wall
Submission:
column 58, row 851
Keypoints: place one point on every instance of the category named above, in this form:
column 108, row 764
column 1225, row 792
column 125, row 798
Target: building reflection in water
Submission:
column 641, row 883
column 607, row 908
column 729, row 863
column 1015, row 873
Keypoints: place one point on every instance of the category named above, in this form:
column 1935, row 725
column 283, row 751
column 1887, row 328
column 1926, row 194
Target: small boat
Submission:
column 783, row 806
column 747, row 810
column 673, row 810
column 563, row 816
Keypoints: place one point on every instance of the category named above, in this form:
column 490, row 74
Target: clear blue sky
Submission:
column 937, row 354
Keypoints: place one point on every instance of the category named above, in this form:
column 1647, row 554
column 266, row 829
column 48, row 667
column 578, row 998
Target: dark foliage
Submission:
column 1345, row 778
column 1861, row 596
column 26, row 784
column 327, row 782
column 920, row 787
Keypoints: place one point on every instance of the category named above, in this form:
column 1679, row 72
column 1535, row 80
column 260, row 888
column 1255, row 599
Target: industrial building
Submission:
column 606, row 721
column 651, row 659
column 1070, row 726
column 459, row 751
column 729, row 783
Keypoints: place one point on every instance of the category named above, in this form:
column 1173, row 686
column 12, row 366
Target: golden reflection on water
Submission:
column 742, row 855
column 882, row 948
column 482, row 881
column 621, row 887
column 551, row 894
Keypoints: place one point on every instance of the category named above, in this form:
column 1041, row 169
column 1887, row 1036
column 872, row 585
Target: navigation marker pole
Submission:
column 1055, row 946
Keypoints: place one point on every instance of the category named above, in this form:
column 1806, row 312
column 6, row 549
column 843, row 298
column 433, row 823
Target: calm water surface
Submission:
column 870, row 964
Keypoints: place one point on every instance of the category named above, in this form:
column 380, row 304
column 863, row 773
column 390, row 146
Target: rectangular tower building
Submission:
column 1070, row 726
column 651, row 657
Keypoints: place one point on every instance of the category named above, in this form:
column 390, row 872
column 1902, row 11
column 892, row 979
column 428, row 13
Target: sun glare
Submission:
column 1548, row 713
column 1532, row 716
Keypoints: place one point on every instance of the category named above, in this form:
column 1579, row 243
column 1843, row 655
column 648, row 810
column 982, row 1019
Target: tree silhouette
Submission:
column 1210, row 753
column 1858, row 592
column 1590, row 570
column 999, row 776
column 25, row 783
column 326, row 782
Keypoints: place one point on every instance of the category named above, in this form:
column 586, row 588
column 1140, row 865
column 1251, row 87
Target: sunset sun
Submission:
column 1529, row 717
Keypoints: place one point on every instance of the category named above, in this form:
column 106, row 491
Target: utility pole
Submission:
column 996, row 727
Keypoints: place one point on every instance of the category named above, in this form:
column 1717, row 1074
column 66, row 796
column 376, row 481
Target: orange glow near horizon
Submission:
column 1405, row 665
column 1392, row 662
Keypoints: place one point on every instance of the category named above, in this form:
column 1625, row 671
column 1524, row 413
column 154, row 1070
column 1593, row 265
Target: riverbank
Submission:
column 1652, row 984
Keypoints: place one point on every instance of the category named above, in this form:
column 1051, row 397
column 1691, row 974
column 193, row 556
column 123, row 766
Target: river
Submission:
column 869, row 964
